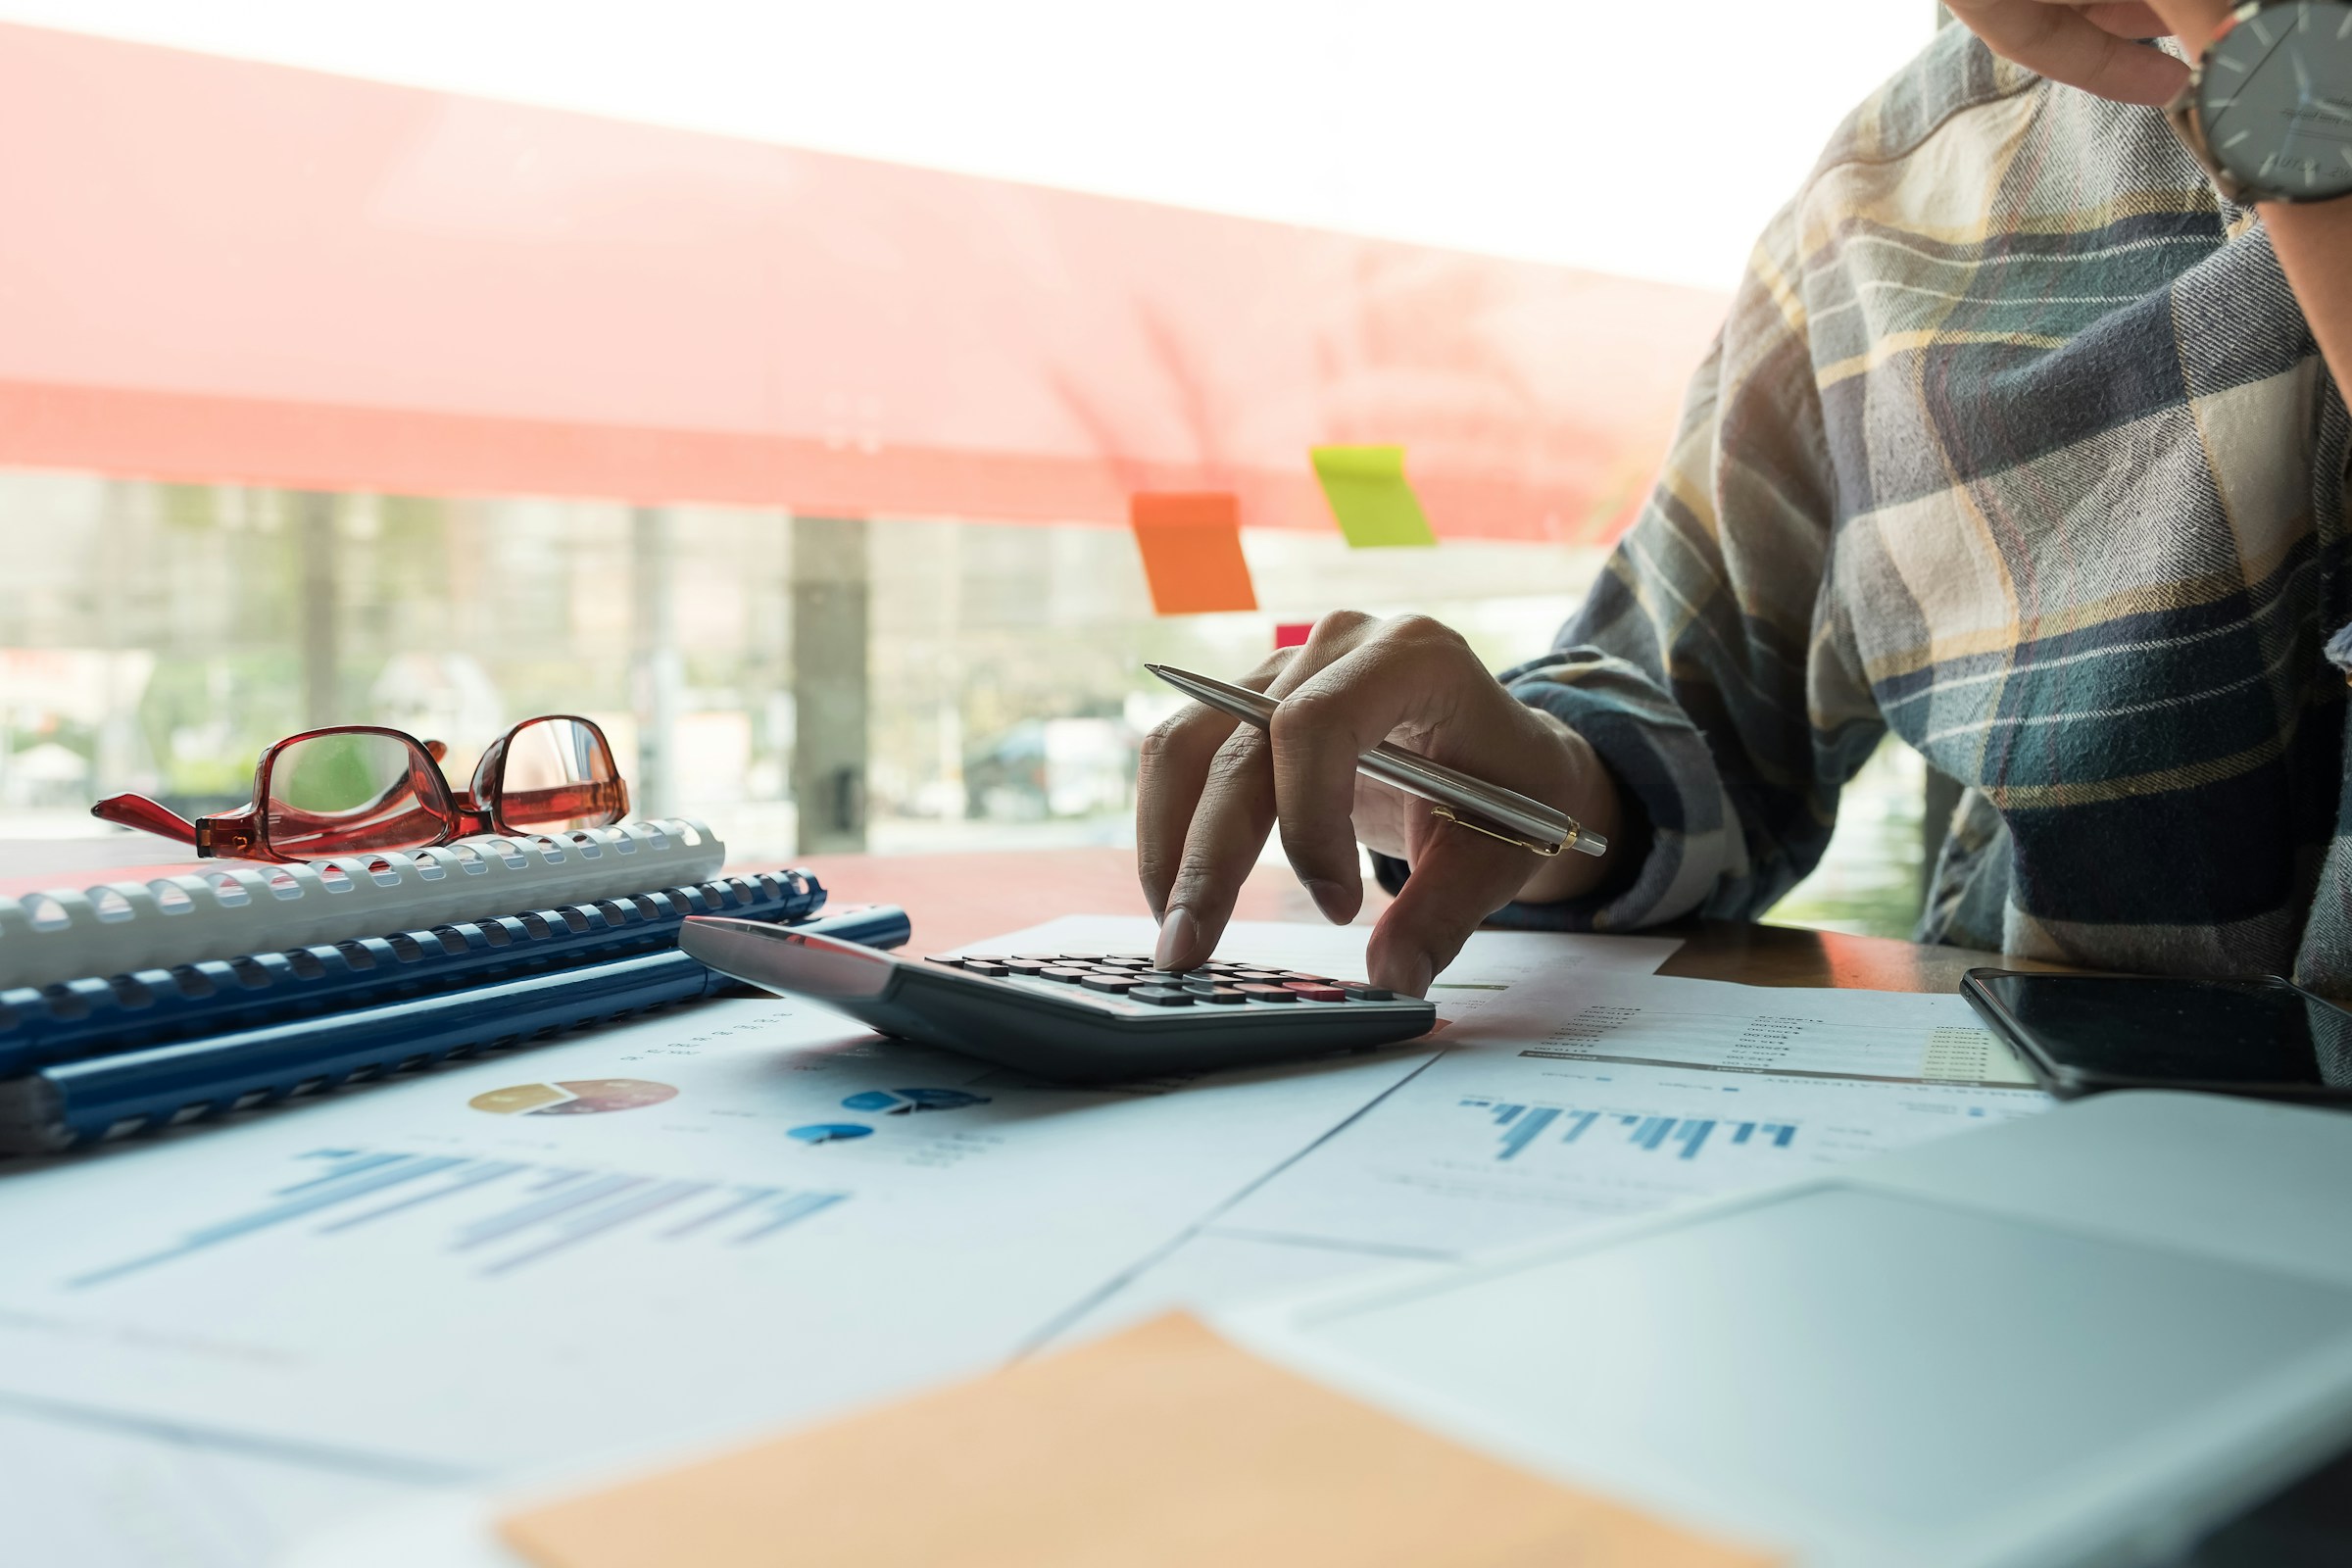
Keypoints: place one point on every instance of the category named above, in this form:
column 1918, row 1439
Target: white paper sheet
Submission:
column 1894, row 1035
column 1518, row 1132
column 76, row 1494
column 747, row 1213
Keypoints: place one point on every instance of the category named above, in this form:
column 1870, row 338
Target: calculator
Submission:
column 1079, row 1018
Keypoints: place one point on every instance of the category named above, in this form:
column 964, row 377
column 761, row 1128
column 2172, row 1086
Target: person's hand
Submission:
column 2088, row 43
column 1209, row 789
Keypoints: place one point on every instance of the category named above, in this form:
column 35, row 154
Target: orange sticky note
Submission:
column 1165, row 1447
column 1192, row 545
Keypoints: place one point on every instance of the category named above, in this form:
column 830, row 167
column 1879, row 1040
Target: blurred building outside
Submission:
column 155, row 637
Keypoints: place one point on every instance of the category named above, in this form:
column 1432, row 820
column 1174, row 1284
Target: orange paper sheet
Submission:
column 1161, row 1446
column 1192, row 545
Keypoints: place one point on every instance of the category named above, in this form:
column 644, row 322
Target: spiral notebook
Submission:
column 75, row 1018
column 224, row 908
column 101, row 1058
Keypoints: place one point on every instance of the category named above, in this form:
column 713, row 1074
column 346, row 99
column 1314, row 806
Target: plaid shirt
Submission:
column 2014, row 442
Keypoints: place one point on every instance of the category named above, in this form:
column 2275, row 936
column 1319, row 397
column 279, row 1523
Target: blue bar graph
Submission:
column 534, row 1210
column 1524, row 1125
column 1649, row 1131
column 1525, row 1130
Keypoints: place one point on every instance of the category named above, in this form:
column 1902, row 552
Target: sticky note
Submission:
column 1293, row 633
column 1164, row 1447
column 1368, row 494
column 1192, row 547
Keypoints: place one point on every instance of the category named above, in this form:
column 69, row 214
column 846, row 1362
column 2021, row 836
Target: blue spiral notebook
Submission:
column 46, row 1024
column 87, row 1060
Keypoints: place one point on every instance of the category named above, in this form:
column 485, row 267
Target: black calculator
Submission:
column 1080, row 1017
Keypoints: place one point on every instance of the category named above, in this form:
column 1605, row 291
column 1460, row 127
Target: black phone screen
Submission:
column 2111, row 1030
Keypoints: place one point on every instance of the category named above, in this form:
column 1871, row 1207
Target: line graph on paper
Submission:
column 488, row 1217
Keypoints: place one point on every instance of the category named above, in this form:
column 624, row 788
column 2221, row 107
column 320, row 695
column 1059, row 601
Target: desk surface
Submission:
column 955, row 899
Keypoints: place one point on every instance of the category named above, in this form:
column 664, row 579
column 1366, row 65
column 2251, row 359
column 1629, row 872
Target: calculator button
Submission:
column 1062, row 972
column 1218, row 996
column 1355, row 993
column 1038, row 957
column 1115, row 984
column 1167, row 977
column 1161, row 996
column 1118, row 961
column 1199, row 987
column 1262, row 977
column 1306, row 993
column 1026, row 965
column 952, row 961
column 1260, row 991
column 985, row 966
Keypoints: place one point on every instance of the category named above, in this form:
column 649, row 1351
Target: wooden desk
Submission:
column 957, row 898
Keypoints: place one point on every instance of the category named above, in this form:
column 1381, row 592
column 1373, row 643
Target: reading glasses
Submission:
column 354, row 788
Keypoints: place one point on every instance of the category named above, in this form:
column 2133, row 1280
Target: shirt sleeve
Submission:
column 1712, row 665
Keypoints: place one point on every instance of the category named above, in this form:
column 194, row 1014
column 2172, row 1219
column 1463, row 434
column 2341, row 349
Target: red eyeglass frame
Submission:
column 245, row 833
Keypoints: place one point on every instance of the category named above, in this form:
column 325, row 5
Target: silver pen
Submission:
column 1456, row 797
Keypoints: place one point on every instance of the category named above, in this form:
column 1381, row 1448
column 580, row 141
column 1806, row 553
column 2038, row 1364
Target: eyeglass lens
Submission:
column 341, row 793
column 558, row 773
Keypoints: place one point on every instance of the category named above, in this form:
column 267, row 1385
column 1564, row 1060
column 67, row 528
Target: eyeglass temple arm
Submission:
column 137, row 810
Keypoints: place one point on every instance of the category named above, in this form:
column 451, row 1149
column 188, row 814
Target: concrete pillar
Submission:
column 830, row 589
column 320, row 610
column 656, row 670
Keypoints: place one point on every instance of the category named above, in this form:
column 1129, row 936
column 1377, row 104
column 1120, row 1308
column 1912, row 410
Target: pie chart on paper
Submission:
column 573, row 1096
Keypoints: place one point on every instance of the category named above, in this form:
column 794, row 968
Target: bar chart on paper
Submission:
column 488, row 1217
column 1489, row 1148
column 1681, row 1137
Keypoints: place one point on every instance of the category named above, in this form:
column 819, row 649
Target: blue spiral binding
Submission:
column 75, row 1018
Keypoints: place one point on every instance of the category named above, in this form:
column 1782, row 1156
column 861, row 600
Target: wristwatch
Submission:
column 2267, row 109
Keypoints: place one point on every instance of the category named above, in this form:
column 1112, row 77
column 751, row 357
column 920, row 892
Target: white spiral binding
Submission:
column 227, row 909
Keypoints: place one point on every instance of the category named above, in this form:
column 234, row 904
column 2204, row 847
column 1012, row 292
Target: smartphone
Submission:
column 2083, row 1033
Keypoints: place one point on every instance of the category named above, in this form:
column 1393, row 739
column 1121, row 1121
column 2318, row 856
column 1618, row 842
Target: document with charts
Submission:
column 1576, row 1098
column 745, row 1213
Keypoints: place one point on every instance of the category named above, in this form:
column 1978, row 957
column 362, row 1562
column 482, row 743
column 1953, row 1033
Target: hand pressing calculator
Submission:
column 1081, row 1017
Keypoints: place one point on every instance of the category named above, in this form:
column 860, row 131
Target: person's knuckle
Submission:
column 1303, row 718
column 1176, row 738
column 1419, row 631
column 1339, row 623
column 1157, row 743
column 1237, row 760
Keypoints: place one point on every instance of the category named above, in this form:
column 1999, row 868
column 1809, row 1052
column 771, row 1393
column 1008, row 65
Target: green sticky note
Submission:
column 1368, row 494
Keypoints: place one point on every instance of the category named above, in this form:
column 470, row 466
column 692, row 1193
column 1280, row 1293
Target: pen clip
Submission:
column 1447, row 813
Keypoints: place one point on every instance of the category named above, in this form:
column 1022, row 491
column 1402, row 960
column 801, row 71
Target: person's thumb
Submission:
column 1460, row 876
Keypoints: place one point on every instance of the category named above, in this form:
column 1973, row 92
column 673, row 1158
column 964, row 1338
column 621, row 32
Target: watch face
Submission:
column 2276, row 99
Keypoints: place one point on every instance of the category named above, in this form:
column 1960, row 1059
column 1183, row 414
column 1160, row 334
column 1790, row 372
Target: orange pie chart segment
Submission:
column 573, row 1096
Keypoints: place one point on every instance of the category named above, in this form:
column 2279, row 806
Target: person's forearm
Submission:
column 2314, row 243
column 2313, row 240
